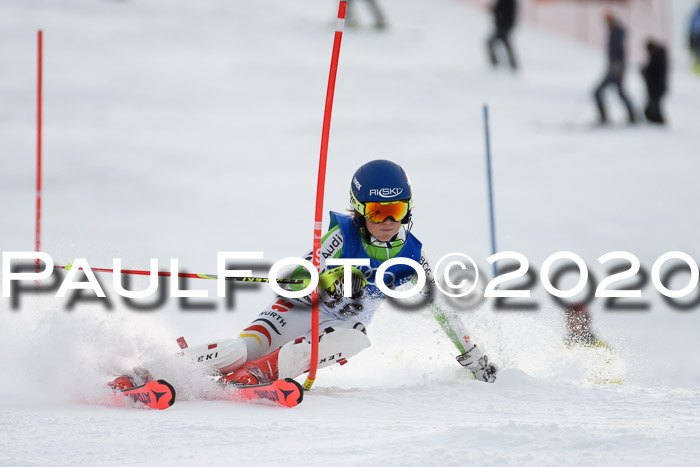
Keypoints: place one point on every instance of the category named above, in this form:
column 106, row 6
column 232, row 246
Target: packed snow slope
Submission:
column 176, row 129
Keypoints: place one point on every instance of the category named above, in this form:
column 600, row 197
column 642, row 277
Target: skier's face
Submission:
column 384, row 231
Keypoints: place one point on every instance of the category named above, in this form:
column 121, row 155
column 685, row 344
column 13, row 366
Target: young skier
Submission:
column 277, row 345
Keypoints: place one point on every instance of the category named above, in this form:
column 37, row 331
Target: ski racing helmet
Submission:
column 381, row 189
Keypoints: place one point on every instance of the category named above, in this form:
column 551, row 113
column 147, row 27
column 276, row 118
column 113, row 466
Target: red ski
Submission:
column 285, row 392
column 155, row 395
column 160, row 394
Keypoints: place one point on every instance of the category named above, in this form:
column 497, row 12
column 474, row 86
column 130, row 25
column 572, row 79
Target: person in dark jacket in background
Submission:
column 351, row 14
column 504, row 12
column 616, row 67
column 694, row 39
column 654, row 73
column 601, row 363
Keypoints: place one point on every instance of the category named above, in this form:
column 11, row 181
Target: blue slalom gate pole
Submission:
column 489, row 182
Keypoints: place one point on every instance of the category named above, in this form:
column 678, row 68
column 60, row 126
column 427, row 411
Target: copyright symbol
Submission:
column 458, row 272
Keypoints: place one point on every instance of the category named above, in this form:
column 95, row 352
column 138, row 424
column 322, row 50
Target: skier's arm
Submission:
column 470, row 356
column 449, row 325
column 331, row 283
column 447, row 319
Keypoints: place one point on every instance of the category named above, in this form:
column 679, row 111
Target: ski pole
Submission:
column 318, row 219
column 489, row 182
column 191, row 275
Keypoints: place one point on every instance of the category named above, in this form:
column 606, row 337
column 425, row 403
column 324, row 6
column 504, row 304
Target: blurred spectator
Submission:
column 654, row 73
column 616, row 67
column 578, row 325
column 351, row 14
column 602, row 365
column 504, row 13
column 694, row 39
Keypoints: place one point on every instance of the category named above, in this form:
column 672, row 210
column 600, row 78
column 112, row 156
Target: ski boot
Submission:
column 260, row 371
column 140, row 376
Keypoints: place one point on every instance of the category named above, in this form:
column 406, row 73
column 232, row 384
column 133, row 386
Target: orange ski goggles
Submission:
column 377, row 212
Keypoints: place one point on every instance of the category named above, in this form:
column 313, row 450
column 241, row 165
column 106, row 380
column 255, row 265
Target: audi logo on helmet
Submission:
column 386, row 192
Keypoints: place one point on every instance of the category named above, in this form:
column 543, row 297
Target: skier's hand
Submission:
column 332, row 287
column 474, row 361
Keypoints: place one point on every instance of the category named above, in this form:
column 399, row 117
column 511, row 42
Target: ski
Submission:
column 284, row 392
column 155, row 394
column 160, row 394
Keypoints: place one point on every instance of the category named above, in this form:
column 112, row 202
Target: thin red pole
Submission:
column 37, row 238
column 318, row 219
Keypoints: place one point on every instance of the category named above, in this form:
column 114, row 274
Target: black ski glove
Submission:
column 331, row 286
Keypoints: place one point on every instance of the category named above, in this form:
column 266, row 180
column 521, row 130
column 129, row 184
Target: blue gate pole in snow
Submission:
column 489, row 182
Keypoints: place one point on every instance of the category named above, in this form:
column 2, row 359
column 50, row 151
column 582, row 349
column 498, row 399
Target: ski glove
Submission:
column 331, row 285
column 474, row 361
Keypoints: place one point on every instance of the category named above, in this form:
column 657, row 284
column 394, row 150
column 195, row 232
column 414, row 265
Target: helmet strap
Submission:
column 409, row 225
column 362, row 226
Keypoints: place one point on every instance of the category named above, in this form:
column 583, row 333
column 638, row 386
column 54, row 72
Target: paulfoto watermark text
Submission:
column 456, row 276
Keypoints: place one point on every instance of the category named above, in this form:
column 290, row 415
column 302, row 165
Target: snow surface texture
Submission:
column 179, row 129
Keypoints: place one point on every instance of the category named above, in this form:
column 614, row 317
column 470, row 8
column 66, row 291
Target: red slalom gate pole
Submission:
column 37, row 236
column 318, row 219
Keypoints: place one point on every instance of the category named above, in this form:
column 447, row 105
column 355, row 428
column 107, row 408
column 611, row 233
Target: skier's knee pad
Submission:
column 360, row 327
column 335, row 346
column 339, row 344
column 225, row 355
